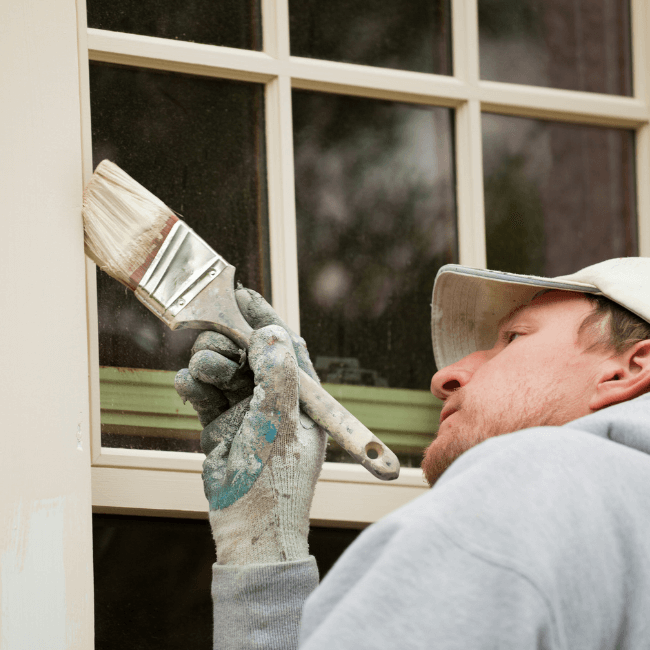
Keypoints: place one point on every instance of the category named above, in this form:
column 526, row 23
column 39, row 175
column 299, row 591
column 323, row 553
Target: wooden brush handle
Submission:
column 353, row 436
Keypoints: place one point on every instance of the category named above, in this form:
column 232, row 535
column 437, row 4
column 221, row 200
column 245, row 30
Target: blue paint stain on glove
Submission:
column 238, row 481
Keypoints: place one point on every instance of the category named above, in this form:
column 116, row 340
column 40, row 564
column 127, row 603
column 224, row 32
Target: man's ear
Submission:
column 624, row 377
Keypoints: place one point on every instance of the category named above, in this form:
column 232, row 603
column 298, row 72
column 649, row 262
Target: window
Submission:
column 338, row 157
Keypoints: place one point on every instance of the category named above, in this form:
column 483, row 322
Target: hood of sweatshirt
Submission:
column 627, row 423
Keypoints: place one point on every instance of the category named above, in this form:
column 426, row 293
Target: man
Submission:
column 535, row 538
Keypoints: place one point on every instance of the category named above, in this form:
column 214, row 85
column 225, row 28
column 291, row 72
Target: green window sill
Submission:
column 144, row 402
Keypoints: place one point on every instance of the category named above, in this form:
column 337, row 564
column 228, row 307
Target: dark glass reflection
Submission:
column 152, row 579
column 376, row 219
column 558, row 197
column 412, row 35
column 231, row 23
column 198, row 144
column 578, row 45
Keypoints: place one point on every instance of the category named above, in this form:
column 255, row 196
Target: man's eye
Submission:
column 511, row 336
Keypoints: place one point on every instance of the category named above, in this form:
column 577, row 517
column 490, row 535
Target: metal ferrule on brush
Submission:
column 183, row 266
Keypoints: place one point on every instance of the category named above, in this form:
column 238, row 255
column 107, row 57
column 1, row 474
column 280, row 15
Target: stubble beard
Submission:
column 521, row 411
column 451, row 443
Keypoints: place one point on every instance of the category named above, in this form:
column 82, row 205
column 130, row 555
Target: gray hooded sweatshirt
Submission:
column 532, row 540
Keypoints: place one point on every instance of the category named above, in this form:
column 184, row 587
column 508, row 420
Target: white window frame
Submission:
column 168, row 483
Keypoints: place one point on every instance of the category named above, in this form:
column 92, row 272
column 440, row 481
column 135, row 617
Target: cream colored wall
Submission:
column 46, row 597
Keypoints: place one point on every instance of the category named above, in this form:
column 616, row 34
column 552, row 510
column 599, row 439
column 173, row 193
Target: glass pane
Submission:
column 152, row 579
column 558, row 197
column 413, row 35
column 376, row 219
column 198, row 144
column 232, row 23
column 578, row 45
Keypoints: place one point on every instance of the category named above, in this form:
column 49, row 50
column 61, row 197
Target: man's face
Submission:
column 537, row 373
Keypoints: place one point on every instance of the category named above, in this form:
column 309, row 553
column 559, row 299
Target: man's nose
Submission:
column 459, row 374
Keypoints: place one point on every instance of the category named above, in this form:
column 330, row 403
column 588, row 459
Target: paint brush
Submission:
column 135, row 238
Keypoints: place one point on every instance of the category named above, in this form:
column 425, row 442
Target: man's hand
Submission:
column 263, row 456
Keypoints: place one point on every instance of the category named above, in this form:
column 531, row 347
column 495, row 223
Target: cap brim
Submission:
column 468, row 305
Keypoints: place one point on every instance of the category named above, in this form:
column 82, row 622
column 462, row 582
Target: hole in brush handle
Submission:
column 374, row 451
column 351, row 434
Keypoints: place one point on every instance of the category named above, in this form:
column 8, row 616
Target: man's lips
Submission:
column 446, row 412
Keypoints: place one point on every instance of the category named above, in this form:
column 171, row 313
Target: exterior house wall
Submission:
column 46, row 597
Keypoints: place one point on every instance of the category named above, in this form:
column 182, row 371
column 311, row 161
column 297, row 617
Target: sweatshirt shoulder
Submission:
column 554, row 520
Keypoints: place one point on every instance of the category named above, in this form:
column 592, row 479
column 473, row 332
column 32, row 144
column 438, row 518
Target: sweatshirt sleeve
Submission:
column 260, row 606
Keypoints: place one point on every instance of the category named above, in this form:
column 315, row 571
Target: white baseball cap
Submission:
column 469, row 303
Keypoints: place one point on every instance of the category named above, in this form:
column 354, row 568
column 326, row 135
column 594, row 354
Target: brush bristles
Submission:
column 123, row 222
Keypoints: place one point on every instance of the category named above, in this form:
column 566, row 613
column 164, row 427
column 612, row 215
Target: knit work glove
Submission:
column 263, row 456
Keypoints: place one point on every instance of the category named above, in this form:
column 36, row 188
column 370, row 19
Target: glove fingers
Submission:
column 208, row 401
column 234, row 381
column 224, row 428
column 216, row 443
column 258, row 313
column 273, row 413
column 215, row 465
column 217, row 343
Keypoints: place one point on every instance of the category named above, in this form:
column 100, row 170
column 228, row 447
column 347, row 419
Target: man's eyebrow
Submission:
column 508, row 318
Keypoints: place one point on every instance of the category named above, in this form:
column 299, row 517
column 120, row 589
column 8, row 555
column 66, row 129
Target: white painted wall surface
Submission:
column 46, row 598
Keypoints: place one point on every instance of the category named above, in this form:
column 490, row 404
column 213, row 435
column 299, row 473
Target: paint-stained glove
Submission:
column 263, row 456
